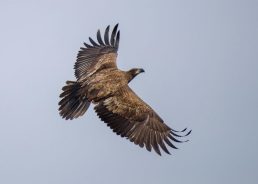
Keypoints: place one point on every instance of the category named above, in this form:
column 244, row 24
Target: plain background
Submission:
column 201, row 63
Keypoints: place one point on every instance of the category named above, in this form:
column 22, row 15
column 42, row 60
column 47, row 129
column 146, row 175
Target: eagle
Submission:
column 100, row 82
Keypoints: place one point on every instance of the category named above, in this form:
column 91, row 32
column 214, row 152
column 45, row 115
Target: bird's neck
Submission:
column 129, row 76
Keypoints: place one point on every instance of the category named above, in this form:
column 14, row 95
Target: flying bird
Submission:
column 100, row 82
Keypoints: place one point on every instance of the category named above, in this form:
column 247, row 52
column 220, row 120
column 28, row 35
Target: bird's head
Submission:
column 134, row 72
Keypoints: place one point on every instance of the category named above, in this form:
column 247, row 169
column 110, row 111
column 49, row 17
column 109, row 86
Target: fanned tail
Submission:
column 73, row 104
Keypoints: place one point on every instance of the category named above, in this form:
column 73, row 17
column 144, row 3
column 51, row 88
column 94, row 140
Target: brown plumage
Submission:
column 100, row 82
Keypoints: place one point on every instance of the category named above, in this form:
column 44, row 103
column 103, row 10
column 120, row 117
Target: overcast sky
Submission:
column 201, row 71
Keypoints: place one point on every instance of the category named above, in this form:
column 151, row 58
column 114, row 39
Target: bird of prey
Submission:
column 100, row 82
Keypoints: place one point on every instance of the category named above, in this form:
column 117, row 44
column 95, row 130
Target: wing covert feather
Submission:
column 130, row 117
column 100, row 54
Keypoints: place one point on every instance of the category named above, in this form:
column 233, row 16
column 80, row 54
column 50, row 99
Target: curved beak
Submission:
column 141, row 70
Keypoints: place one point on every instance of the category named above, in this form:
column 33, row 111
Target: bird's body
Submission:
column 100, row 82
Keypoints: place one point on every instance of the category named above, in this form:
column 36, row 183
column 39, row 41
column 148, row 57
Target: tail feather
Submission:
column 73, row 104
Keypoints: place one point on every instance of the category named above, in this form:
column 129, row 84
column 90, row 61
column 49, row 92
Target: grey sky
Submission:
column 201, row 63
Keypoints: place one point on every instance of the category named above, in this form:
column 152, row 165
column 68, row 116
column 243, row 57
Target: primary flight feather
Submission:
column 101, row 83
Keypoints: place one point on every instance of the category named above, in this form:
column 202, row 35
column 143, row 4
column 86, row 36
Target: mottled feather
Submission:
column 100, row 82
column 92, row 57
column 130, row 117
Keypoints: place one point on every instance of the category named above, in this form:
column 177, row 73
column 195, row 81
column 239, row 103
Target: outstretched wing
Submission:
column 98, row 55
column 131, row 117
